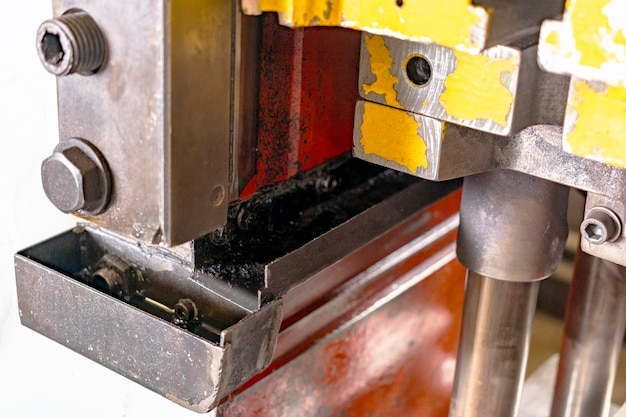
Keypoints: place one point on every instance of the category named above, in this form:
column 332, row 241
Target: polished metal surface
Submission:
column 161, row 112
column 592, row 341
column 513, row 226
column 76, row 178
column 495, row 335
column 71, row 43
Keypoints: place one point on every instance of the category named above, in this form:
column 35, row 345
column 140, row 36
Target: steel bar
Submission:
column 495, row 334
column 594, row 329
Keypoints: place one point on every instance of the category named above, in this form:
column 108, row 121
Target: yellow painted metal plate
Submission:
column 595, row 122
column 589, row 43
column 456, row 24
column 476, row 91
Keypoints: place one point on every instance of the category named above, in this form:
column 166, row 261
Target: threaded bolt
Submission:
column 601, row 225
column 76, row 178
column 71, row 43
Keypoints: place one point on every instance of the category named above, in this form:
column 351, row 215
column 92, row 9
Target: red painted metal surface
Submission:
column 397, row 361
column 308, row 87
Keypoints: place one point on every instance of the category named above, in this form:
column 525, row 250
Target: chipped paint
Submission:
column 600, row 129
column 393, row 134
column 475, row 89
column 416, row 20
column 380, row 62
column 596, row 39
column 589, row 43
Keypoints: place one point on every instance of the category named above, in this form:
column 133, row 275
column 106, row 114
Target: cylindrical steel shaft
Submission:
column 592, row 340
column 497, row 321
column 512, row 234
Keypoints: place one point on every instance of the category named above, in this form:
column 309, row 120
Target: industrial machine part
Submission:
column 428, row 93
column 594, row 333
column 144, row 101
column 171, row 149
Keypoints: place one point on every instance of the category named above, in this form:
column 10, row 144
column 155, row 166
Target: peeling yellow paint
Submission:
column 417, row 20
column 475, row 89
column 596, row 40
column 600, row 130
column 380, row 61
column 393, row 134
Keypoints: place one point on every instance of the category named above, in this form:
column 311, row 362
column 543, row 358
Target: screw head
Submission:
column 75, row 178
column 601, row 225
column 71, row 43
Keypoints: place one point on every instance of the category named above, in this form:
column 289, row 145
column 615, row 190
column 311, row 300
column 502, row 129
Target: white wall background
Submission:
column 39, row 377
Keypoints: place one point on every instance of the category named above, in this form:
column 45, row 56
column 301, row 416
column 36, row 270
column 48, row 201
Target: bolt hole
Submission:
column 418, row 70
column 399, row 3
column 52, row 48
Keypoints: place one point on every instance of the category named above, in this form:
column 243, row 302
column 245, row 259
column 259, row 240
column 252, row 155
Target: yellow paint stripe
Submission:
column 600, row 130
column 393, row 134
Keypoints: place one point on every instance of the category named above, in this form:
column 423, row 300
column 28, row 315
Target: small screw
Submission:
column 76, row 178
column 601, row 225
column 71, row 43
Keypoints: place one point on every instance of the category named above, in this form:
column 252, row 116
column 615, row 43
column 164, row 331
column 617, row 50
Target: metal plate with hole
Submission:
column 487, row 92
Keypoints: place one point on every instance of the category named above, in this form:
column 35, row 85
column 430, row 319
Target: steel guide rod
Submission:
column 495, row 335
column 512, row 233
column 595, row 321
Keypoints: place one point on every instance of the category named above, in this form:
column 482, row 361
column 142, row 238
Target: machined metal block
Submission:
column 437, row 150
column 492, row 91
column 160, row 109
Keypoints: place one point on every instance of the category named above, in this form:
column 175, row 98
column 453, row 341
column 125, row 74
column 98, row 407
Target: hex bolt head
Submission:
column 75, row 178
column 71, row 43
column 601, row 225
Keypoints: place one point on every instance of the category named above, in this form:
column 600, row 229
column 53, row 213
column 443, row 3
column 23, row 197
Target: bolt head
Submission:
column 600, row 225
column 71, row 180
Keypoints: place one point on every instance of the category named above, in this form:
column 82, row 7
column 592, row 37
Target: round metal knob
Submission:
column 76, row 178
column 71, row 43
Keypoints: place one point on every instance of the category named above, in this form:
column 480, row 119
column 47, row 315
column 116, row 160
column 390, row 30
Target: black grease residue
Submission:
column 280, row 219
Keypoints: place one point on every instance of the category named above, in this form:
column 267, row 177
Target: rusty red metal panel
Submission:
column 307, row 92
column 398, row 361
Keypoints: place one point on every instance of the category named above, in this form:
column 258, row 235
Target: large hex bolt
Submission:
column 601, row 225
column 71, row 43
column 76, row 178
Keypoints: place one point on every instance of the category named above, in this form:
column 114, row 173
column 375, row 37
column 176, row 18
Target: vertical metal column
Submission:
column 512, row 234
column 594, row 330
column 497, row 322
